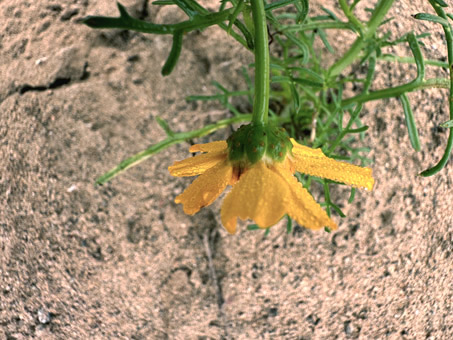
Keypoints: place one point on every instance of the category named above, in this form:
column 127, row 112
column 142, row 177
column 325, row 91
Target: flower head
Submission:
column 260, row 162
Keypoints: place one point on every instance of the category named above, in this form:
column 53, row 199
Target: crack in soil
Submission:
column 57, row 83
column 209, row 238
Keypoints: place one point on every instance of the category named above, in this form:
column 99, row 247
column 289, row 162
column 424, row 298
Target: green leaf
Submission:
column 386, row 21
column 289, row 225
column 308, row 72
column 441, row 3
column 280, row 79
column 190, row 7
column 237, row 11
column 125, row 21
column 246, row 33
column 358, row 130
column 418, row 57
column 174, row 53
column 354, row 4
column 164, row 125
column 303, row 8
column 447, row 124
column 253, row 227
column 449, row 38
column 370, row 73
column 330, row 14
column 338, row 210
column 410, row 122
column 278, row 4
column 307, row 82
column 351, row 197
column 324, row 40
column 443, row 161
column 277, row 67
column 432, row 18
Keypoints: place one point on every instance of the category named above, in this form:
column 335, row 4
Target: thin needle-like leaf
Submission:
column 410, row 122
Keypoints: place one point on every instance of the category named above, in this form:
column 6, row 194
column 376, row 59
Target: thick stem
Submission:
column 262, row 79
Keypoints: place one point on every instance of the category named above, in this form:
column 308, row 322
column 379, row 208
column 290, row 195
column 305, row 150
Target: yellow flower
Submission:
column 266, row 190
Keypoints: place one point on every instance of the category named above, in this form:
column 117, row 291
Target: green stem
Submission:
column 352, row 19
column 172, row 139
column 449, row 38
column 398, row 90
column 125, row 21
column 352, row 54
column 262, row 79
column 310, row 26
column 411, row 60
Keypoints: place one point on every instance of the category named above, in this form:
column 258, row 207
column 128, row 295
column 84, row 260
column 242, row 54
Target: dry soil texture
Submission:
column 122, row 261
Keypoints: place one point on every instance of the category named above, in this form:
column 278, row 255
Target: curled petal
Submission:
column 209, row 147
column 301, row 206
column 258, row 195
column 314, row 163
column 196, row 165
column 206, row 188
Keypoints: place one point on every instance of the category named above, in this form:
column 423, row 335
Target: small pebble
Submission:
column 43, row 316
column 347, row 327
column 72, row 188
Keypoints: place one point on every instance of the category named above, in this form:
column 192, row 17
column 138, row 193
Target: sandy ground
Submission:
column 122, row 261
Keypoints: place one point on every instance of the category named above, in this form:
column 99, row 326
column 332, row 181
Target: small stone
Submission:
column 69, row 13
column 273, row 311
column 347, row 327
column 71, row 188
column 133, row 58
column 43, row 316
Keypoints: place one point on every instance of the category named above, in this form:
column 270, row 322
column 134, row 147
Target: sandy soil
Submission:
column 123, row 261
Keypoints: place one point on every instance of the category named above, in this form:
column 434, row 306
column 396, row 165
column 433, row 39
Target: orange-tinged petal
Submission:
column 206, row 188
column 300, row 205
column 313, row 162
column 258, row 195
column 209, row 147
column 196, row 165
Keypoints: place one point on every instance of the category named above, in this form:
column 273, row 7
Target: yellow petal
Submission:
column 206, row 188
column 196, row 165
column 313, row 162
column 258, row 195
column 209, row 147
column 300, row 205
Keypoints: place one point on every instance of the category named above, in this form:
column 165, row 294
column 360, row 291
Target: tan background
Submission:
column 123, row 261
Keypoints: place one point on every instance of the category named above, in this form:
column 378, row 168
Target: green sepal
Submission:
column 278, row 143
column 236, row 143
column 250, row 143
column 256, row 143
